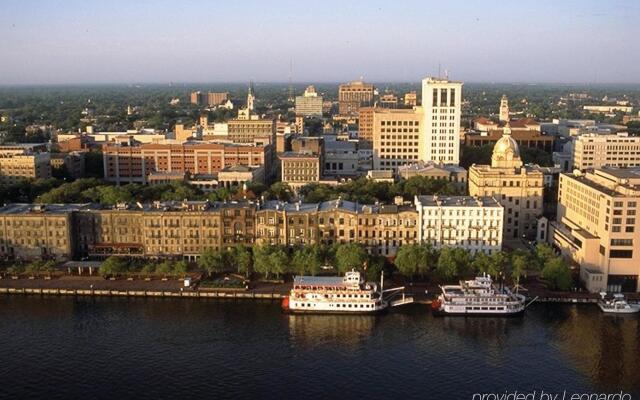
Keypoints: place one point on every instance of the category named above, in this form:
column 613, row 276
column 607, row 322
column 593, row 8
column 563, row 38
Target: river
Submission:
column 99, row 348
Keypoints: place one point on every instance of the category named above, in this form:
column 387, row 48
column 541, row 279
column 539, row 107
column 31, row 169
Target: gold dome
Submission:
column 506, row 153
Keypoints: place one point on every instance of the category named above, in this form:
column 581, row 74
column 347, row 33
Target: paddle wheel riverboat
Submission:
column 344, row 295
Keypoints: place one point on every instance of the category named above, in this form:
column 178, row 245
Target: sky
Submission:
column 139, row 41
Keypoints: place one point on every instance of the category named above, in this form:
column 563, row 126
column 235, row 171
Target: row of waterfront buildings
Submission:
column 186, row 229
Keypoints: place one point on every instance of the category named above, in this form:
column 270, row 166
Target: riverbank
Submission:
column 97, row 286
column 73, row 285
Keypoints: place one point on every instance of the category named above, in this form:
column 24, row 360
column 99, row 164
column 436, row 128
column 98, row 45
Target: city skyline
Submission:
column 75, row 43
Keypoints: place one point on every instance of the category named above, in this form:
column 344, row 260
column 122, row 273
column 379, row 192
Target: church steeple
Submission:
column 250, row 97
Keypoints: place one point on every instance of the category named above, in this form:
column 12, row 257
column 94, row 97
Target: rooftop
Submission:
column 456, row 201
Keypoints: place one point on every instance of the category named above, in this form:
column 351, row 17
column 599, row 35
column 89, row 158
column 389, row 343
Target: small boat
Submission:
column 617, row 305
column 478, row 297
column 333, row 294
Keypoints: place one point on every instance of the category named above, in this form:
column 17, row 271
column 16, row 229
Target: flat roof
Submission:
column 458, row 201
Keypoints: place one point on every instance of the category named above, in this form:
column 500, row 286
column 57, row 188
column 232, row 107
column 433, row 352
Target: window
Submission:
column 621, row 254
column 622, row 242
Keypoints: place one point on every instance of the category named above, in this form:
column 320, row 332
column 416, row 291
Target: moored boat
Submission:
column 478, row 297
column 617, row 305
column 344, row 295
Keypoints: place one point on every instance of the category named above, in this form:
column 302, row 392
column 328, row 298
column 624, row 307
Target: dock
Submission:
column 249, row 295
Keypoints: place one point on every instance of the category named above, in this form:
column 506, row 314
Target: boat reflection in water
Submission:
column 312, row 329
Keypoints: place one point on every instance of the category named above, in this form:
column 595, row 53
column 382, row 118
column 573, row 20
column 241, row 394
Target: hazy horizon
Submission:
column 197, row 42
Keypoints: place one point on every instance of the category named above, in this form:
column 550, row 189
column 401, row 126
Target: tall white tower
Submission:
column 251, row 97
column 504, row 108
column 440, row 133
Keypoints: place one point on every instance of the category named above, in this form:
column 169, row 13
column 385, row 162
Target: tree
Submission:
column 164, row 268
column 543, row 254
column 412, row 259
column 34, row 267
column 241, row 258
column 262, row 261
column 307, row 260
column 518, row 267
column 350, row 256
column 375, row 267
column 108, row 194
column 498, row 264
column 280, row 191
column 212, row 261
column 180, row 268
column 15, row 269
column 49, row 267
column 279, row 262
column 113, row 266
column 148, row 268
column 299, row 261
column 558, row 274
column 481, row 263
column 452, row 263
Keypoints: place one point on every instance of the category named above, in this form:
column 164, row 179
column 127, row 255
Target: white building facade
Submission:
column 472, row 223
column 440, row 134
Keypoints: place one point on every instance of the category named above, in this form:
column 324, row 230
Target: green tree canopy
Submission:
column 212, row 261
column 558, row 274
column 242, row 259
column 350, row 256
column 113, row 266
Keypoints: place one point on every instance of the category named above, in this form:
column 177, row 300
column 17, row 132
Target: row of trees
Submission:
column 275, row 260
column 113, row 266
column 366, row 191
column 34, row 268
column 96, row 190
column 451, row 263
column 412, row 261
column 482, row 155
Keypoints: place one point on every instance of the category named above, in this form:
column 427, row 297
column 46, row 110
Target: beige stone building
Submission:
column 596, row 151
column 160, row 230
column 518, row 188
column 247, row 131
column 299, row 169
column 365, row 125
column 217, row 98
column 597, row 227
column 396, row 136
column 26, row 165
column 382, row 229
column 451, row 173
column 411, row 99
column 352, row 96
column 186, row 229
column 309, row 104
column 32, row 231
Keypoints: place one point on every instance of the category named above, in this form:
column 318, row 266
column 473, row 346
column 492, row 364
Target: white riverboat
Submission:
column 617, row 305
column 345, row 295
column 478, row 297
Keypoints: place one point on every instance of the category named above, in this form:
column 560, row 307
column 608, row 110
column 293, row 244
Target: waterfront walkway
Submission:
column 98, row 286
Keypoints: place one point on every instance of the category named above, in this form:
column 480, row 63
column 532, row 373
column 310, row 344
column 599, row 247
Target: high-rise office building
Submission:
column 441, row 102
column 309, row 104
column 597, row 227
column 352, row 96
